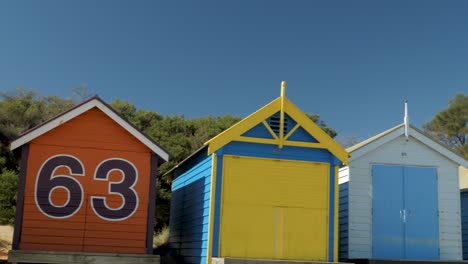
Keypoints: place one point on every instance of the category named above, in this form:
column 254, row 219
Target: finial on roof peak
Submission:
column 283, row 88
column 406, row 120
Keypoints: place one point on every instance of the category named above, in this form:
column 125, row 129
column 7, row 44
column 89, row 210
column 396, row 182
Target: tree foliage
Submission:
column 8, row 189
column 316, row 118
column 450, row 126
column 23, row 109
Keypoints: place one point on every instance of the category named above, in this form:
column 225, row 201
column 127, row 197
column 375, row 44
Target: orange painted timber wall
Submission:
column 111, row 214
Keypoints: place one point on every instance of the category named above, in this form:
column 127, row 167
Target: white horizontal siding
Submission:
column 343, row 175
column 405, row 153
column 360, row 208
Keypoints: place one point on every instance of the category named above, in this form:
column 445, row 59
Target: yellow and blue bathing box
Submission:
column 266, row 188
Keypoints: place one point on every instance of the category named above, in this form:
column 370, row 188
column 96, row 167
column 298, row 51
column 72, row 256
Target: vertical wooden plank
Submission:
column 20, row 199
column 218, row 203
column 335, row 239
column 331, row 212
column 151, row 204
column 212, row 211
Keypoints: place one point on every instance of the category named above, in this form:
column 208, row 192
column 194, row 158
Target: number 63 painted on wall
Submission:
column 47, row 182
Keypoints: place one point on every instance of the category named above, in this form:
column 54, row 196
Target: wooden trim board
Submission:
column 32, row 256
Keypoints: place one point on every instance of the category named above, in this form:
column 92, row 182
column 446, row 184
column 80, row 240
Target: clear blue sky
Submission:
column 354, row 63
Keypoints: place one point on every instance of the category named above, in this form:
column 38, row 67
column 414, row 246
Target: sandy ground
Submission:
column 6, row 236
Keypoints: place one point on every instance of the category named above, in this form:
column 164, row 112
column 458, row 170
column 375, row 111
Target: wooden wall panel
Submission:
column 92, row 129
column 87, row 188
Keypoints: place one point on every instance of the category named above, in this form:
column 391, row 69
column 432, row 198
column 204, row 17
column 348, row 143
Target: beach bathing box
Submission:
column 399, row 198
column 87, row 184
column 266, row 188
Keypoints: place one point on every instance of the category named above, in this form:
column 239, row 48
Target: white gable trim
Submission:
column 439, row 148
column 39, row 131
column 374, row 144
column 357, row 153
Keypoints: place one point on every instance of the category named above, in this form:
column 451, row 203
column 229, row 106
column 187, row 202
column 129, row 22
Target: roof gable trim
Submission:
column 80, row 109
column 235, row 132
column 391, row 134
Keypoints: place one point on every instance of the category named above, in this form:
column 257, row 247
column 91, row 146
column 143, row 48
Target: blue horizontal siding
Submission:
column 343, row 220
column 190, row 208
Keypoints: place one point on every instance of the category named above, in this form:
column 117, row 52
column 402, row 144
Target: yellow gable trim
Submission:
column 243, row 126
column 315, row 131
column 234, row 133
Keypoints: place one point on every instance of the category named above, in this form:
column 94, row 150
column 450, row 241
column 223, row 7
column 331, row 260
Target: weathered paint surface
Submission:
column 274, row 209
column 405, row 222
column 190, row 212
column 87, row 188
column 405, row 153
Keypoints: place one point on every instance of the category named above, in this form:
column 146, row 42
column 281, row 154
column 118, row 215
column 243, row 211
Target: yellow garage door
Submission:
column 274, row 209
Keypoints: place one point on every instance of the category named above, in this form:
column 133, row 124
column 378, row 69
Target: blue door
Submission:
column 405, row 219
column 388, row 229
column 422, row 224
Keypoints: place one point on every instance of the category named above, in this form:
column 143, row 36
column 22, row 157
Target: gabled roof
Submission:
column 283, row 106
column 376, row 141
column 79, row 109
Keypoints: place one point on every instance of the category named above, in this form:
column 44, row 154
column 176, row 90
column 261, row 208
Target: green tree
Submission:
column 450, row 126
column 23, row 109
column 7, row 159
column 8, row 188
column 316, row 118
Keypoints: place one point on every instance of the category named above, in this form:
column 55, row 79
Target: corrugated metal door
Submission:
column 464, row 218
column 274, row 209
column 405, row 219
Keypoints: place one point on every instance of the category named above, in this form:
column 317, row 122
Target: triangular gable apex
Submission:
column 80, row 109
column 243, row 126
column 373, row 143
column 265, row 112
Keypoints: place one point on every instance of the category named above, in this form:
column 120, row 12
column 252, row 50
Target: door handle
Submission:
column 403, row 213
